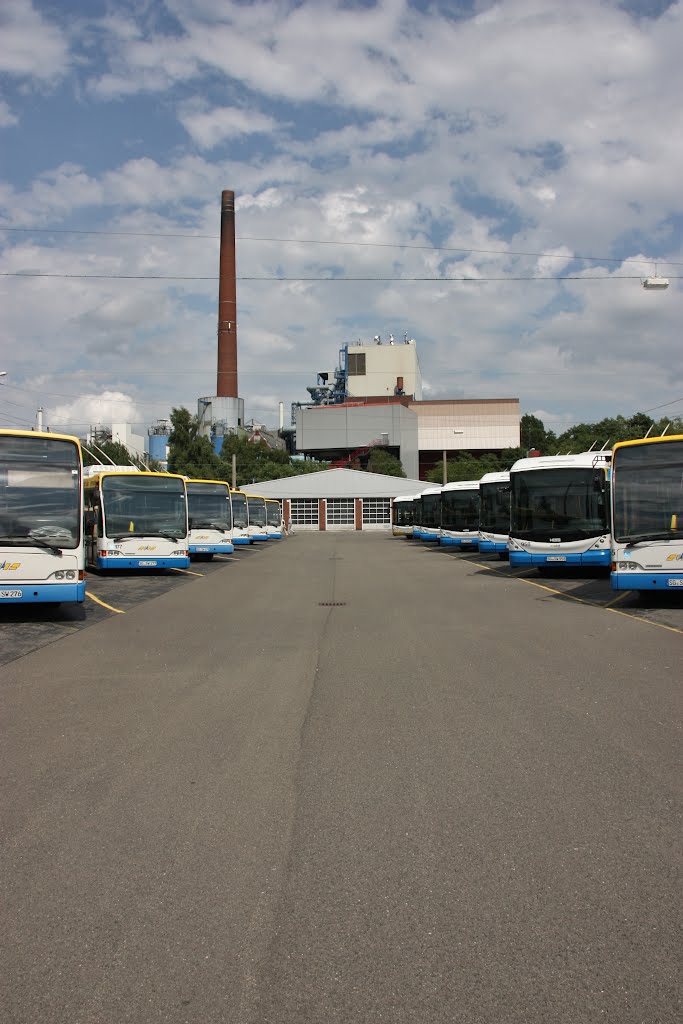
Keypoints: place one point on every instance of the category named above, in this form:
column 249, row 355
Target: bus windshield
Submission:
column 208, row 505
column 460, row 509
column 431, row 510
column 257, row 511
column 274, row 514
column 494, row 510
column 557, row 503
column 141, row 505
column 40, row 492
column 403, row 513
column 648, row 492
column 240, row 516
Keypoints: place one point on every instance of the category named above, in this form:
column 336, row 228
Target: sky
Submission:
column 493, row 179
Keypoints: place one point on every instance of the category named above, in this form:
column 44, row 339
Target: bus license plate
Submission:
column 674, row 583
column 11, row 594
column 146, row 562
column 557, row 558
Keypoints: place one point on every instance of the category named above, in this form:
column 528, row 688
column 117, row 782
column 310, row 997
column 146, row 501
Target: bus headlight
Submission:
column 180, row 551
column 64, row 574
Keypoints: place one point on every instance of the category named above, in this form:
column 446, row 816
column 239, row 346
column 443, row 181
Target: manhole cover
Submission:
column 331, row 604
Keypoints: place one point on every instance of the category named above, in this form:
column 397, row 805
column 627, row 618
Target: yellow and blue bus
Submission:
column 240, row 518
column 135, row 519
column 275, row 524
column 256, row 507
column 647, row 514
column 41, row 518
column 209, row 512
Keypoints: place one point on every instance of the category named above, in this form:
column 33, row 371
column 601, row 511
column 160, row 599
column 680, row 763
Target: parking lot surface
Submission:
column 343, row 778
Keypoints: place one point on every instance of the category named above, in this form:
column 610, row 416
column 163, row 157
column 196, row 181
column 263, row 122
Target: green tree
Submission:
column 117, row 452
column 382, row 461
column 465, row 467
column 189, row 452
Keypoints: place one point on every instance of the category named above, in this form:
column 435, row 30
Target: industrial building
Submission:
column 337, row 499
column 374, row 397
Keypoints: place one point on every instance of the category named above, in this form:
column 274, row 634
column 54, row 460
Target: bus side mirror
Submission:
column 89, row 520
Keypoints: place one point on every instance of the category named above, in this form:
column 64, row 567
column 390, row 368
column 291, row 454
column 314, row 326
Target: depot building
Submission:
column 337, row 499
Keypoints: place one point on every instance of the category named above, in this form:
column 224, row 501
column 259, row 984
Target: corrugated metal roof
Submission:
column 338, row 483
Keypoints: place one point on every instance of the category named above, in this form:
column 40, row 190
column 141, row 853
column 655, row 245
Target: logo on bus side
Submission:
column 675, row 558
column 10, row 566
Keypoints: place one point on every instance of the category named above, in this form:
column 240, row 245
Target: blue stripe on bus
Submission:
column 214, row 549
column 32, row 593
column 123, row 562
column 672, row 581
column 569, row 559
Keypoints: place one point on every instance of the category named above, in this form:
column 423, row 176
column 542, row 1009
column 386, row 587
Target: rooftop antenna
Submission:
column 103, row 453
column 649, row 429
column 592, row 446
column 92, row 455
column 665, row 429
column 605, row 444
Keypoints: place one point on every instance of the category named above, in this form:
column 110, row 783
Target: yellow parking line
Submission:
column 619, row 597
column 581, row 600
column 189, row 572
column 104, row 603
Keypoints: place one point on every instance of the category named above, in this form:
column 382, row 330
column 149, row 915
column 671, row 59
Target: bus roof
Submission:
column 662, row 439
column 496, row 478
column 198, row 480
column 462, row 485
column 582, row 460
column 45, row 434
column 92, row 472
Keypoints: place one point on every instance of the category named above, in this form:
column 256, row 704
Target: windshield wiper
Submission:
column 27, row 542
column 640, row 538
column 211, row 526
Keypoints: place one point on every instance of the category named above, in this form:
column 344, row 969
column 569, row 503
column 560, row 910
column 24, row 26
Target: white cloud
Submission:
column 31, row 45
column 7, row 118
column 532, row 127
column 209, row 128
column 99, row 409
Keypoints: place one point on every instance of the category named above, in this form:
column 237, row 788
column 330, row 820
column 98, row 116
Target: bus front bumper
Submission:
column 460, row 542
column 671, row 581
column 211, row 549
column 123, row 562
column 42, row 593
column 570, row 560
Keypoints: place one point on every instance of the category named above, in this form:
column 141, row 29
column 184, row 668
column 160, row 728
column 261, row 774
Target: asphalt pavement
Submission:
column 343, row 779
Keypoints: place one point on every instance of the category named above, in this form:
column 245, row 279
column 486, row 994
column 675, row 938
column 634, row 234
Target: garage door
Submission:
column 341, row 514
column 376, row 513
column 304, row 513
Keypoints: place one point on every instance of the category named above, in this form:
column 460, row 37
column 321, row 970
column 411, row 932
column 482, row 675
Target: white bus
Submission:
column 135, row 519
column 494, row 513
column 559, row 511
column 427, row 521
column 460, row 515
column 41, row 518
column 210, row 518
column 647, row 514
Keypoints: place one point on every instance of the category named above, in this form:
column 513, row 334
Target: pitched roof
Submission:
column 337, row 483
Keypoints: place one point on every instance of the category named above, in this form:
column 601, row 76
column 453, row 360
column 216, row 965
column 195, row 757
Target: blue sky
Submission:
column 501, row 142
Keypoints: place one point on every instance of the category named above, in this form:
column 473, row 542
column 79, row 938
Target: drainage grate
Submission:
column 331, row 604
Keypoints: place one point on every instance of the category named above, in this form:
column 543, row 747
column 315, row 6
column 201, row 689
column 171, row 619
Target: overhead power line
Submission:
column 326, row 280
column 328, row 241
